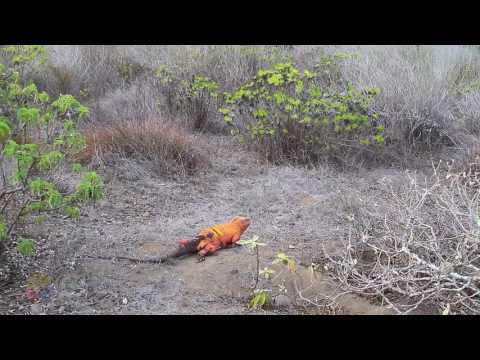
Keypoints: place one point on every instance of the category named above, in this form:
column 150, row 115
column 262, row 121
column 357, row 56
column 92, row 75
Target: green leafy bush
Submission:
column 37, row 135
column 294, row 115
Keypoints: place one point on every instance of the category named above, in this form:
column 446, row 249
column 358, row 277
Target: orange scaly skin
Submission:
column 221, row 236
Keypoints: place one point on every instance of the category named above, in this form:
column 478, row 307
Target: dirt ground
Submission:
column 294, row 210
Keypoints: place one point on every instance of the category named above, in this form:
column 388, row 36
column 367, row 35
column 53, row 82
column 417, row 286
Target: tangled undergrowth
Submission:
column 417, row 250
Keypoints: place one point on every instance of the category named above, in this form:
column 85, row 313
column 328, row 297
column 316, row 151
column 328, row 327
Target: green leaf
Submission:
column 28, row 115
column 228, row 120
column 65, row 103
column 90, row 188
column 266, row 273
column 286, row 260
column 308, row 74
column 224, row 111
column 36, row 206
column 72, row 212
column 38, row 186
column 47, row 117
column 69, row 126
column 4, row 130
column 251, row 243
column 299, row 86
column 379, row 139
column 47, row 192
column 50, row 160
column 25, row 247
column 275, row 79
column 3, row 231
column 43, row 97
column 30, row 90
column 380, row 128
column 83, row 111
column 260, row 299
column 260, row 113
column 38, row 220
column 77, row 168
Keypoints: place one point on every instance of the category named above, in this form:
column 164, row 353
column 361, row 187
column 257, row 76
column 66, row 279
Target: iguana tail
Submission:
column 186, row 247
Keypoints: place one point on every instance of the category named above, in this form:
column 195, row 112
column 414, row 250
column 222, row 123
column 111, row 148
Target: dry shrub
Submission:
column 90, row 70
column 418, row 250
column 139, row 101
column 469, row 109
column 421, row 89
column 169, row 148
column 468, row 173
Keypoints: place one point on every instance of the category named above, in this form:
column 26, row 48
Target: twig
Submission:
column 12, row 225
column 258, row 269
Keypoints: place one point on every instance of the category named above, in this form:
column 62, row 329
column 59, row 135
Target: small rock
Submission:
column 36, row 309
column 233, row 272
column 282, row 300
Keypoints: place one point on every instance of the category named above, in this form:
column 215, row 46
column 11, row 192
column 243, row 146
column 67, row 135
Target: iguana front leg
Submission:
column 210, row 248
column 235, row 239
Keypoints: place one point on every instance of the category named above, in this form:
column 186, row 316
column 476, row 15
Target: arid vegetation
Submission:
column 366, row 160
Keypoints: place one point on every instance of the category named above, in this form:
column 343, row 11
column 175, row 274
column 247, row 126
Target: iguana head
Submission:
column 242, row 221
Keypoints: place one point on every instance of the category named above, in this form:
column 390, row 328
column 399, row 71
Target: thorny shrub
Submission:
column 419, row 251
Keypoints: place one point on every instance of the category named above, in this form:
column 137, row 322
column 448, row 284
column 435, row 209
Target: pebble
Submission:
column 36, row 309
column 282, row 300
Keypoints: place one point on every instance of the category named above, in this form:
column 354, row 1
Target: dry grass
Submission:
column 169, row 148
